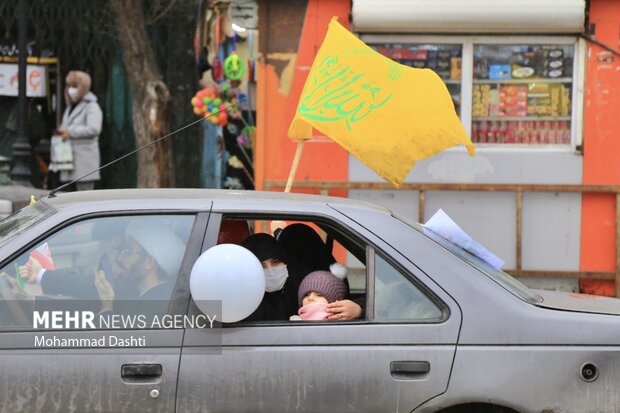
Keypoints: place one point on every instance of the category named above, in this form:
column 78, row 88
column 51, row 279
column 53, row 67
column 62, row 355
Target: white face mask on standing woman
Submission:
column 72, row 92
column 275, row 277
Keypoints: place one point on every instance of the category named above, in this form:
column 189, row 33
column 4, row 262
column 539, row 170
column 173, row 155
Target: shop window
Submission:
column 522, row 94
column 506, row 92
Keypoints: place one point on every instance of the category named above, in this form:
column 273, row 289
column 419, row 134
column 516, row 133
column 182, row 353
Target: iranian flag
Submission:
column 43, row 254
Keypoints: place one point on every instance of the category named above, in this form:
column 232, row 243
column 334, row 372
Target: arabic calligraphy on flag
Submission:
column 386, row 114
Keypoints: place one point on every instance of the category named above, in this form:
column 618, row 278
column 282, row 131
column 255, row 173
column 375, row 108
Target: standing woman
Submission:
column 81, row 124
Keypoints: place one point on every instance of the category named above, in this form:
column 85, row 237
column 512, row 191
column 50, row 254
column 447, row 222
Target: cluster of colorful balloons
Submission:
column 208, row 103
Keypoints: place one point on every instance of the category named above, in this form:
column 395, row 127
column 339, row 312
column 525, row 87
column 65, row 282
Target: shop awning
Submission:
column 468, row 16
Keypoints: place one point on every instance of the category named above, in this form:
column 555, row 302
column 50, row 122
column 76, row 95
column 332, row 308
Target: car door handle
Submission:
column 404, row 369
column 141, row 372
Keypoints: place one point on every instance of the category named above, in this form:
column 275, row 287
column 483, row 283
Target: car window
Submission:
column 396, row 295
column 397, row 298
column 307, row 246
column 120, row 264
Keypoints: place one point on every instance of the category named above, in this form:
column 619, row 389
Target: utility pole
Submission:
column 20, row 171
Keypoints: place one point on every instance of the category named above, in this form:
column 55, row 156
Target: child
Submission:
column 316, row 290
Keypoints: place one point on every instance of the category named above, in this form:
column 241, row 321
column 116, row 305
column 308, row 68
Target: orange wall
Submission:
column 601, row 146
column 321, row 160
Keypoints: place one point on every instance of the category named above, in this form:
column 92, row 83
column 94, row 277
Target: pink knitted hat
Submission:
column 330, row 286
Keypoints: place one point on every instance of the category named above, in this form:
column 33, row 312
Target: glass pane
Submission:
column 444, row 59
column 137, row 260
column 397, row 298
column 305, row 247
column 522, row 94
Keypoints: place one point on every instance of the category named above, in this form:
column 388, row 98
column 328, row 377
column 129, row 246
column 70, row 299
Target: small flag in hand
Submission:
column 43, row 254
column 21, row 262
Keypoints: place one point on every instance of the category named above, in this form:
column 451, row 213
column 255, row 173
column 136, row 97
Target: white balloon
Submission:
column 231, row 274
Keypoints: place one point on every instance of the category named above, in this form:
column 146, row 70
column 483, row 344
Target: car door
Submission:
column 394, row 360
column 59, row 362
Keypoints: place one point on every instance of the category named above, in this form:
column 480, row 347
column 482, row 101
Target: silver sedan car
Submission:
column 440, row 330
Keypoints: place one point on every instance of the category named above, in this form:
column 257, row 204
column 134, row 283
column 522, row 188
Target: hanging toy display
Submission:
column 220, row 102
column 233, row 68
column 217, row 70
column 251, row 71
column 208, row 103
column 251, row 63
column 231, row 95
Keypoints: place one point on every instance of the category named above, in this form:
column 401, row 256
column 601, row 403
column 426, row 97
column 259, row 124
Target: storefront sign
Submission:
column 244, row 13
column 35, row 80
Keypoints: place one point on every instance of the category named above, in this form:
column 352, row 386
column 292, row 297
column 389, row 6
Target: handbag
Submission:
column 61, row 154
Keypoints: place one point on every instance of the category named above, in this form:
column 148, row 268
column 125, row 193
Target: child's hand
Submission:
column 344, row 310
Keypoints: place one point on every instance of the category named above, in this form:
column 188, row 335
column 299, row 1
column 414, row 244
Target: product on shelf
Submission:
column 481, row 100
column 498, row 72
column 522, row 72
column 513, row 100
column 523, row 132
column 565, row 102
column 539, row 100
column 455, row 68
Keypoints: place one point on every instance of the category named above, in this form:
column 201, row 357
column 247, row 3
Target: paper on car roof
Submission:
column 441, row 224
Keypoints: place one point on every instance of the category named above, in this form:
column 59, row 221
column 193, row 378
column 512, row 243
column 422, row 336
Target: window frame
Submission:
column 179, row 300
column 328, row 221
column 467, row 79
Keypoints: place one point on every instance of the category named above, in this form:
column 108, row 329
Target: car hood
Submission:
column 585, row 303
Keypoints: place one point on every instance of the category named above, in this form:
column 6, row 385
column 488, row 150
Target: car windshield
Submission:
column 22, row 219
column 500, row 277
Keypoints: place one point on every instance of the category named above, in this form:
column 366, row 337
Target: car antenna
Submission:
column 52, row 193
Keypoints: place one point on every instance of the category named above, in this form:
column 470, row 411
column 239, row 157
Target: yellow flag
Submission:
column 386, row 114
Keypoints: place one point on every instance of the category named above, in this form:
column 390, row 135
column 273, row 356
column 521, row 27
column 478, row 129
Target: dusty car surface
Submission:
column 442, row 330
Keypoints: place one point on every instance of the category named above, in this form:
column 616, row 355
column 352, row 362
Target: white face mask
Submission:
column 275, row 277
column 72, row 92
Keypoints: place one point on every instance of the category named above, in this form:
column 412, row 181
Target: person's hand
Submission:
column 13, row 296
column 63, row 132
column 15, row 291
column 344, row 310
column 30, row 271
column 105, row 291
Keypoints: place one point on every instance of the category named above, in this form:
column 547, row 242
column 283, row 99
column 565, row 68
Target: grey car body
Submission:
column 492, row 346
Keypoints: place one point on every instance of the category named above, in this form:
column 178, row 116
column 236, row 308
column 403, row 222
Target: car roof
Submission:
column 189, row 198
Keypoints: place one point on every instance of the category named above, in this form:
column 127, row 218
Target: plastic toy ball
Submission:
column 233, row 69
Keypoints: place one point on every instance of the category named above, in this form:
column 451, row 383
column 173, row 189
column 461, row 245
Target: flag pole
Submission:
column 291, row 175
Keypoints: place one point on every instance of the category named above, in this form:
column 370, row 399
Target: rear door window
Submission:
column 120, row 264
